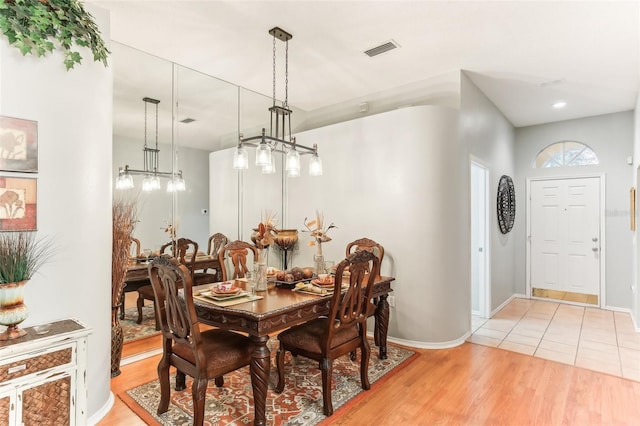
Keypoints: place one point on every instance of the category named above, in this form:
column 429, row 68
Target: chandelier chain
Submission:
column 145, row 124
column 286, row 74
column 274, row 70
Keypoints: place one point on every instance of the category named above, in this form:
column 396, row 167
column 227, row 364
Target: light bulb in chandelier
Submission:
column 269, row 169
column 315, row 164
column 263, row 154
column 240, row 158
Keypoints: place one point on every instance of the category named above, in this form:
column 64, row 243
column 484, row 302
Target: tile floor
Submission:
column 590, row 338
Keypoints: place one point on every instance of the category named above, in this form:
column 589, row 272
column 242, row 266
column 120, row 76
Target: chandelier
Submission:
column 279, row 138
column 152, row 175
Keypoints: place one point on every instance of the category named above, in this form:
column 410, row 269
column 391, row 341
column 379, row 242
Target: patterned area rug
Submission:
column 134, row 331
column 300, row 403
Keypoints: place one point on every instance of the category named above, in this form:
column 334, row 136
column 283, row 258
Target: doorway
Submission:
column 479, row 240
column 565, row 239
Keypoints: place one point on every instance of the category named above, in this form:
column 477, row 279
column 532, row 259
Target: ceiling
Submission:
column 524, row 56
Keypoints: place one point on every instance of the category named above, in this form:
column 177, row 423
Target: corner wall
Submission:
column 74, row 114
column 490, row 139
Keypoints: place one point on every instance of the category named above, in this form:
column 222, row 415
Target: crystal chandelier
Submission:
column 152, row 175
column 279, row 138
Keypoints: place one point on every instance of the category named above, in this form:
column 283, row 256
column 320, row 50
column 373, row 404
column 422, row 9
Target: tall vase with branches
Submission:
column 124, row 219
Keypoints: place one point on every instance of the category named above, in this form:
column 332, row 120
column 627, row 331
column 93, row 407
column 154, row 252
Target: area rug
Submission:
column 300, row 403
column 134, row 331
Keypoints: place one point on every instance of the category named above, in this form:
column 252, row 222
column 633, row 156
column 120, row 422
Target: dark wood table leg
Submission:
column 260, row 364
column 382, row 325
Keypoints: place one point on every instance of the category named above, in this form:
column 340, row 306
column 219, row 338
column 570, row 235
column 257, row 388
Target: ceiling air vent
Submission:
column 384, row 47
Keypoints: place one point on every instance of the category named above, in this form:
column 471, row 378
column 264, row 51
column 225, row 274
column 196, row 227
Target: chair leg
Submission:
column 364, row 364
column 219, row 381
column 280, row 367
column 122, row 308
column 198, row 391
column 165, row 390
column 327, row 371
column 140, row 304
column 181, row 380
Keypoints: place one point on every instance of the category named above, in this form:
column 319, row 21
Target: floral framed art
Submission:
column 18, row 145
column 18, row 204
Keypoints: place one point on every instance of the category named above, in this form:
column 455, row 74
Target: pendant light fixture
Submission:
column 279, row 138
column 151, row 173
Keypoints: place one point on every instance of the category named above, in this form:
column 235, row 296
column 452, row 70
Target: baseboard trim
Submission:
column 103, row 411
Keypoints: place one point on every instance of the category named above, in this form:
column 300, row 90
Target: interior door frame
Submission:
column 484, row 292
column 603, row 239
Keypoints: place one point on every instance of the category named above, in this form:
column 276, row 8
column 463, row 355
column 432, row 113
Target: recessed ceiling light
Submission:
column 559, row 104
column 187, row 120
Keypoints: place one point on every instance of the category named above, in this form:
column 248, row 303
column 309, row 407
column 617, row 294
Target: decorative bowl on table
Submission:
column 286, row 238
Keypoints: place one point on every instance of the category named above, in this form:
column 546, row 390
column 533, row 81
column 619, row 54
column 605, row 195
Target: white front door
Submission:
column 565, row 235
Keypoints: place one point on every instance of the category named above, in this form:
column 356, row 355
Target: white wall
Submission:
column 74, row 114
column 490, row 139
column 400, row 178
column 611, row 137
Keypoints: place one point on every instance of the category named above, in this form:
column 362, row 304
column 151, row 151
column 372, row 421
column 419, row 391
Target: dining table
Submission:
column 139, row 270
column 274, row 310
column 138, row 273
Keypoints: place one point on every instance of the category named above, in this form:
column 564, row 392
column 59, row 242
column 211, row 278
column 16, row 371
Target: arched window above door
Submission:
column 565, row 154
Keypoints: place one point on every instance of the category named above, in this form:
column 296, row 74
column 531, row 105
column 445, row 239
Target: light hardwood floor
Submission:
column 467, row 385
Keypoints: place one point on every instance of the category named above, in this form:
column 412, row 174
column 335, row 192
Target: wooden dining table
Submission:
column 139, row 271
column 279, row 309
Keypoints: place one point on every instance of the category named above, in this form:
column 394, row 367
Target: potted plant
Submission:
column 40, row 26
column 21, row 255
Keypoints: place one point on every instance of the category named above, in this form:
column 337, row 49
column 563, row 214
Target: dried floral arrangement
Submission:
column 124, row 217
column 318, row 231
column 266, row 230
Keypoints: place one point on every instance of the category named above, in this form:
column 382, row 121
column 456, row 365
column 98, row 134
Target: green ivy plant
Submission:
column 39, row 26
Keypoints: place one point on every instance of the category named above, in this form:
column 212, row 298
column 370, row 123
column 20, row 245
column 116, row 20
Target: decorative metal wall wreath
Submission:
column 506, row 204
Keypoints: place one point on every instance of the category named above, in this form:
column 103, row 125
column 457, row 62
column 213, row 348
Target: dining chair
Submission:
column 134, row 252
column 377, row 249
column 342, row 331
column 202, row 355
column 135, row 246
column 145, row 292
column 187, row 253
column 236, row 252
column 216, row 242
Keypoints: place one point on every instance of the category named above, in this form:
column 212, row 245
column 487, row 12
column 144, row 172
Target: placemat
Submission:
column 225, row 303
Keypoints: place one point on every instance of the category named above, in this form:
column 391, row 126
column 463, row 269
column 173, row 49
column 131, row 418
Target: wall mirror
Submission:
column 197, row 115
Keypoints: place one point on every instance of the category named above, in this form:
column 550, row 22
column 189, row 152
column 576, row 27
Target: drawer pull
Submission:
column 17, row 368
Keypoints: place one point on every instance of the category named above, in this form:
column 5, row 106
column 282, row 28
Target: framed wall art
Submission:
column 18, row 204
column 18, row 145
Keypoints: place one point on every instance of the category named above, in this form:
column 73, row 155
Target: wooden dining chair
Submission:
column 377, row 249
column 187, row 253
column 135, row 247
column 202, row 355
column 134, row 252
column 342, row 331
column 236, row 252
column 145, row 292
column 216, row 242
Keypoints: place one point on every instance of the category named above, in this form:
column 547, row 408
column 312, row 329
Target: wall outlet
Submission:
column 205, row 211
column 392, row 301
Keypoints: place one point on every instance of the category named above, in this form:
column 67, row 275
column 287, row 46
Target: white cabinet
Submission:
column 43, row 377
